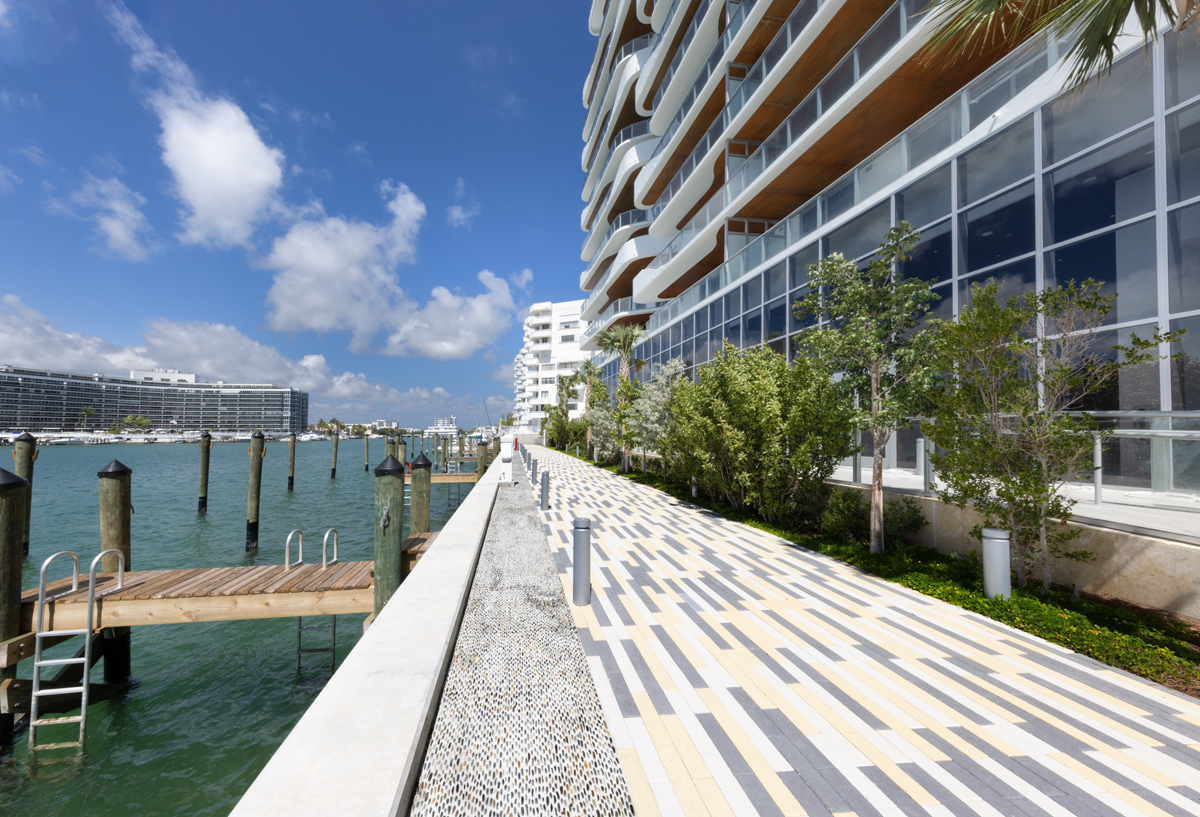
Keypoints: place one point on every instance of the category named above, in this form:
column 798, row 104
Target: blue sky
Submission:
column 358, row 199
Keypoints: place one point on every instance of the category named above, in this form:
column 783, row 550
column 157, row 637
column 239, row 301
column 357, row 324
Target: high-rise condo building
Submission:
column 553, row 333
column 728, row 145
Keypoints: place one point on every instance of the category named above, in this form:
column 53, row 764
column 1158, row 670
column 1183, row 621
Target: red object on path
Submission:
column 516, row 444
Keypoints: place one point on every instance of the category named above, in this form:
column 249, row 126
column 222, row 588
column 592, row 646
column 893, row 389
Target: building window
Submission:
column 567, row 339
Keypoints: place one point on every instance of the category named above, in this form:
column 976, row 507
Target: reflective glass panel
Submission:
column 752, row 293
column 751, row 328
column 1121, row 260
column 733, row 302
column 1080, row 118
column 776, row 312
column 1107, row 186
column 932, row 260
column 927, row 199
column 1000, row 229
column 1135, row 388
column 1183, row 67
column 864, row 233
column 775, row 281
column 1183, row 247
column 1014, row 279
column 701, row 321
column 798, row 264
column 1183, row 145
column 733, row 333
column 715, row 313
column 676, row 333
column 1003, row 159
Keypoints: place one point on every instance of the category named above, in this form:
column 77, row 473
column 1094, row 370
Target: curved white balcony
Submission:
column 618, row 146
column 620, row 308
column 597, row 212
column 667, row 29
column 697, row 42
column 632, row 251
column 596, row 16
column 613, row 88
column 645, row 10
column 627, row 221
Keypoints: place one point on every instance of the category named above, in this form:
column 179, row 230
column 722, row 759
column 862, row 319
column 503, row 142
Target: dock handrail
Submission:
column 325, row 548
column 120, row 573
column 287, row 550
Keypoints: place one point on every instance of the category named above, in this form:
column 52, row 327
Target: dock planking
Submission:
column 209, row 594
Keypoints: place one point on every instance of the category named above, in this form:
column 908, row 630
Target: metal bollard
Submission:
column 1098, row 471
column 920, row 457
column 533, row 471
column 545, row 490
column 997, row 565
column 582, row 537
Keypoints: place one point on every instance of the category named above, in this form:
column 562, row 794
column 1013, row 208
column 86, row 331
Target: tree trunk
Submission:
column 591, row 454
column 877, row 500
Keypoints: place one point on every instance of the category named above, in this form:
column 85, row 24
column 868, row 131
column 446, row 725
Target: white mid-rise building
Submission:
column 553, row 332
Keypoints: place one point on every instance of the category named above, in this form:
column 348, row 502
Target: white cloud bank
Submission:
column 116, row 213
column 225, row 175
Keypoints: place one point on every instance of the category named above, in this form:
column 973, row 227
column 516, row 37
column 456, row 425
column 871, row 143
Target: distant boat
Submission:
column 443, row 427
column 65, row 441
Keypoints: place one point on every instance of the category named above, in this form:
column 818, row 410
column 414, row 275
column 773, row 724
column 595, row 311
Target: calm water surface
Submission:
column 209, row 703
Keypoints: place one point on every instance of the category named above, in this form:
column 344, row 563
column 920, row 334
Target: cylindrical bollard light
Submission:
column 389, row 529
column 12, row 536
column 24, row 455
column 582, row 564
column 997, row 564
column 116, row 510
column 1098, row 471
column 256, row 452
column 292, row 461
column 205, row 451
column 920, row 469
column 419, row 495
column 333, row 468
column 545, row 490
column 695, row 490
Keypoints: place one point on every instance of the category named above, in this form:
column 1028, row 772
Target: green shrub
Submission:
column 847, row 516
column 902, row 519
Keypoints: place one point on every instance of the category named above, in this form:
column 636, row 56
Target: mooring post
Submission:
column 400, row 451
column 480, row 461
column 545, row 490
column 582, row 561
column 462, row 445
column 418, row 498
column 12, row 537
column 446, row 452
column 292, row 461
column 24, row 455
column 333, row 468
column 366, row 451
column 389, row 529
column 205, row 451
column 116, row 511
column 256, row 452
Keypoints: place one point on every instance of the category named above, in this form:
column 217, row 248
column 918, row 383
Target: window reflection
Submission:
column 1000, row 229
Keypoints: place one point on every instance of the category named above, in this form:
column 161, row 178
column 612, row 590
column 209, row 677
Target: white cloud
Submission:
column 522, row 279
column 116, row 213
column 10, row 100
column 5, row 14
column 8, row 180
column 465, row 208
column 335, row 274
column 358, row 152
column 29, row 339
column 453, row 326
column 225, row 175
column 33, row 153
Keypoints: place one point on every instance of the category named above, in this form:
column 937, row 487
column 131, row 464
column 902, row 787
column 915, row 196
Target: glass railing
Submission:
column 623, row 135
column 595, row 81
column 677, row 60
column 715, row 60
column 604, row 284
column 634, row 45
column 928, row 136
column 621, row 306
column 634, row 216
column 887, row 32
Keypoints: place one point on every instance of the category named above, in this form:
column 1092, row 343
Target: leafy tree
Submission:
column 1004, row 441
column 872, row 335
column 651, row 413
column 558, row 432
column 759, row 433
column 606, row 431
column 85, row 417
column 622, row 340
column 509, row 420
column 970, row 26
column 590, row 376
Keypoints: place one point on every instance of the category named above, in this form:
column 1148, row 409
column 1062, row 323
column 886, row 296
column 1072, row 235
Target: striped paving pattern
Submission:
column 740, row 675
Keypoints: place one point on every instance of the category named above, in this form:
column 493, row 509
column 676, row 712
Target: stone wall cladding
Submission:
column 519, row 729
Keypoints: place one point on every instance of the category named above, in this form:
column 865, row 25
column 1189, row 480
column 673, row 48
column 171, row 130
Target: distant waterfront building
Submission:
column 35, row 400
column 443, row 427
column 553, row 332
column 728, row 145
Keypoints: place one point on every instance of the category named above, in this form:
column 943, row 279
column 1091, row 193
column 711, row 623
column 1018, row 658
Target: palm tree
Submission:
column 622, row 339
column 967, row 26
column 589, row 375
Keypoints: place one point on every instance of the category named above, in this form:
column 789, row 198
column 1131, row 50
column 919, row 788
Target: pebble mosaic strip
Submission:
column 742, row 675
column 519, row 730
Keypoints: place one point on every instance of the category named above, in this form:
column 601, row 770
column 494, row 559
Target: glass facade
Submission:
column 34, row 400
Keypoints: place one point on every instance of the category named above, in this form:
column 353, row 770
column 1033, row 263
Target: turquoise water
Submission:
column 209, row 703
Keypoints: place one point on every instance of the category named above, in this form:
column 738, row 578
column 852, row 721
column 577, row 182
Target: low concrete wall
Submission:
column 358, row 748
column 1136, row 567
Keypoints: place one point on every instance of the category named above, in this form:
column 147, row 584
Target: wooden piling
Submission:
column 13, row 489
column 333, row 468
column 419, row 495
column 389, row 529
column 401, row 451
column 462, row 445
column 292, row 461
column 24, row 455
column 116, row 510
column 480, row 460
column 445, row 455
column 205, row 450
column 366, row 451
column 256, row 452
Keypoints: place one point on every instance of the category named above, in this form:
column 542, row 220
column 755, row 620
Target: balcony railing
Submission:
column 621, row 306
column 634, row 216
column 878, row 42
column 634, row 45
column 715, row 60
column 677, row 60
column 623, row 135
column 937, row 131
column 609, row 276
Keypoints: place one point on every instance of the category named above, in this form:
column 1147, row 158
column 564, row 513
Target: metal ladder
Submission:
column 40, row 634
column 301, row 627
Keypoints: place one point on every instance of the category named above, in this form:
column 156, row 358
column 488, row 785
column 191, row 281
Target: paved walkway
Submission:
column 740, row 675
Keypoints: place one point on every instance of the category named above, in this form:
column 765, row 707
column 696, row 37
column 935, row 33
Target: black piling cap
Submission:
column 26, row 438
column 389, row 467
column 422, row 461
column 258, row 435
column 205, row 434
column 391, row 440
column 10, row 480
column 116, row 468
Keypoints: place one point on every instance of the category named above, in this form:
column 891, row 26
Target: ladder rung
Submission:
column 57, row 661
column 63, row 691
column 318, row 649
column 58, row 721
column 308, row 627
column 60, row 633
column 40, row 747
